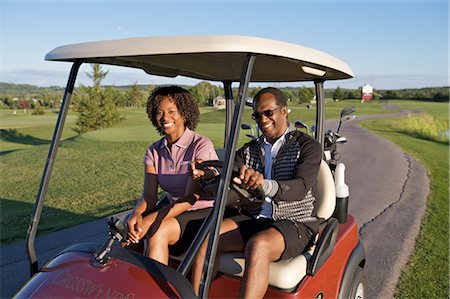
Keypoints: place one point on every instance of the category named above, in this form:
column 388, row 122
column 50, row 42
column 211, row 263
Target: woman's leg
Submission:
column 158, row 244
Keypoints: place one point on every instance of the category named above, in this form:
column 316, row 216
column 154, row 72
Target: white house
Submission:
column 219, row 102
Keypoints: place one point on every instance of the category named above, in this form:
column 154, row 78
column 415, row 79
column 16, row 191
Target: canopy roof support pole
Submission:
column 225, row 178
column 36, row 215
column 229, row 108
column 320, row 112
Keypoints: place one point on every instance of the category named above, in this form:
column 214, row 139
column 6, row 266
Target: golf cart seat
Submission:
column 287, row 274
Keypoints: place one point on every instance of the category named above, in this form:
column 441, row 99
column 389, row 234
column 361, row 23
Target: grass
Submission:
column 427, row 274
column 100, row 173
column 96, row 173
column 90, row 180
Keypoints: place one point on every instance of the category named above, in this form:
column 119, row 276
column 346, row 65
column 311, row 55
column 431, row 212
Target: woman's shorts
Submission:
column 297, row 236
column 190, row 223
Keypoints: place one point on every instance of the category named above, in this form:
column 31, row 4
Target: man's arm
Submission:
column 305, row 173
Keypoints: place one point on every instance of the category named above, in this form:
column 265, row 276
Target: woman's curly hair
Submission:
column 186, row 104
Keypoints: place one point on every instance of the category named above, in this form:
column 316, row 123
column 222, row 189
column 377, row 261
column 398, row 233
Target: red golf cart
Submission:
column 331, row 268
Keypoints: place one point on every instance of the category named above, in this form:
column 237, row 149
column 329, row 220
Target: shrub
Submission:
column 424, row 126
column 39, row 110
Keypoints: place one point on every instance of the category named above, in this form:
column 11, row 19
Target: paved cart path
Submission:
column 388, row 191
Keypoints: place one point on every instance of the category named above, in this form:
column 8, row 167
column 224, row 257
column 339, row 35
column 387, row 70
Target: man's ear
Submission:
column 285, row 109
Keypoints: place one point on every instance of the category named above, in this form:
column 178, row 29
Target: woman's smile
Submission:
column 169, row 119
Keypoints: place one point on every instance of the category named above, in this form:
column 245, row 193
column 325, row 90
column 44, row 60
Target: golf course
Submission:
column 100, row 173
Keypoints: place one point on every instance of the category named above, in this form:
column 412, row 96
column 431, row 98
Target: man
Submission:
column 285, row 163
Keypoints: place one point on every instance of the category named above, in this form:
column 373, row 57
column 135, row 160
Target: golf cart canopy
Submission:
column 215, row 58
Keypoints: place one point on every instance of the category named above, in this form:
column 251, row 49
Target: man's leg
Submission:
column 230, row 240
column 263, row 248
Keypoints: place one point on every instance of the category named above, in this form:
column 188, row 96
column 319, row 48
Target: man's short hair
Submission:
column 278, row 94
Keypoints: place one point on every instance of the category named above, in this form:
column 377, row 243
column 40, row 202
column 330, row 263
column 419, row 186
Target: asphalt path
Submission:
column 388, row 191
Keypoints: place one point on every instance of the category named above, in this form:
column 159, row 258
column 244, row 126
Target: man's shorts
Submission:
column 297, row 236
column 190, row 223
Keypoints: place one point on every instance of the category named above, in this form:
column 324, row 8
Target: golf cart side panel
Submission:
column 328, row 278
column 326, row 281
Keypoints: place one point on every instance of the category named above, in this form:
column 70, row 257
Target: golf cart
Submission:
column 331, row 268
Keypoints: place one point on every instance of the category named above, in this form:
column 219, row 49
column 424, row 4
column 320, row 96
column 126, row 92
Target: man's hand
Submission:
column 249, row 178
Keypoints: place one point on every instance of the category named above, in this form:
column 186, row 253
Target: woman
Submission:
column 174, row 112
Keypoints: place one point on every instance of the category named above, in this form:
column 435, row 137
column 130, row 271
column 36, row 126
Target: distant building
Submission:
column 219, row 102
column 366, row 93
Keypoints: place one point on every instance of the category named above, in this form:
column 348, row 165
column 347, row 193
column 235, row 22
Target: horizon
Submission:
column 389, row 45
column 252, row 85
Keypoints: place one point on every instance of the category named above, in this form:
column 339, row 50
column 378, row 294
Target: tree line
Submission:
column 28, row 96
column 98, row 105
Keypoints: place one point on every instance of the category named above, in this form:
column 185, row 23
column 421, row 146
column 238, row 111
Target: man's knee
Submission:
column 258, row 243
column 265, row 245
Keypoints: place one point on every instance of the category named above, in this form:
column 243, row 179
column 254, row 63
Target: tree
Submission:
column 23, row 104
column 391, row 94
column 338, row 94
column 441, row 97
column 95, row 105
column 291, row 95
column 305, row 95
column 120, row 97
column 135, row 96
column 205, row 92
column 353, row 94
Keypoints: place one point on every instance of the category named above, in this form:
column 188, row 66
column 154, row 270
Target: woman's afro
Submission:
column 186, row 104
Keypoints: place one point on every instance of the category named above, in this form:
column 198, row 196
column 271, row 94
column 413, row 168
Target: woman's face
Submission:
column 169, row 118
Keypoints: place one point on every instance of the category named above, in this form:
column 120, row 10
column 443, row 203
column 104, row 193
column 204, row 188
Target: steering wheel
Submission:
column 237, row 196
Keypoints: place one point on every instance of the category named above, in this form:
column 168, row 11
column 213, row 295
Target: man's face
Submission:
column 271, row 118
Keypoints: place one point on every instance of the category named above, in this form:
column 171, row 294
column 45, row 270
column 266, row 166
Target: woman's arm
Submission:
column 146, row 202
column 150, row 194
column 152, row 221
column 191, row 195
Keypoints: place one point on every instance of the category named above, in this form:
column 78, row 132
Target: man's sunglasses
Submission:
column 267, row 113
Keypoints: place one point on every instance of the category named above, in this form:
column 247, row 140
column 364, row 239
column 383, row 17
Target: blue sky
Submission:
column 388, row 44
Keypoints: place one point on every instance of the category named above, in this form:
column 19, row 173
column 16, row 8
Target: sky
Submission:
column 388, row 44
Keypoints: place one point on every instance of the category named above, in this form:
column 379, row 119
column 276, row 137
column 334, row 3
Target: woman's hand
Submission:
column 135, row 228
column 196, row 173
column 138, row 226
